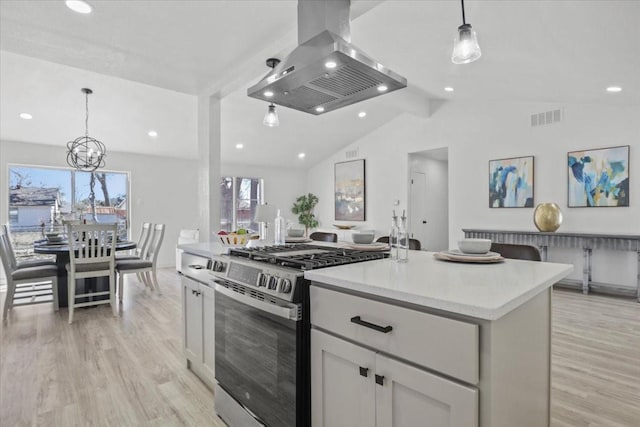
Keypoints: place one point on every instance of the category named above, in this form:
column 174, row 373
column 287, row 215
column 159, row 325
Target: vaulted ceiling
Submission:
column 147, row 62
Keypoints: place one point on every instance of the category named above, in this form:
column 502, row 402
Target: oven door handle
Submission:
column 289, row 312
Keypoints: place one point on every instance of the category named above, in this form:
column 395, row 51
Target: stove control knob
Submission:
column 285, row 286
column 273, row 282
column 219, row 266
column 262, row 279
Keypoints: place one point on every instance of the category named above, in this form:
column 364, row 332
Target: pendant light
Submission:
column 86, row 153
column 271, row 118
column 465, row 46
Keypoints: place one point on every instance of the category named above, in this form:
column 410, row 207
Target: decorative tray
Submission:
column 456, row 256
column 297, row 240
column 343, row 227
column 376, row 246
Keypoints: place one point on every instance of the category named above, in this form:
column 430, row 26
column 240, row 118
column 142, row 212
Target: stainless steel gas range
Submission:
column 262, row 344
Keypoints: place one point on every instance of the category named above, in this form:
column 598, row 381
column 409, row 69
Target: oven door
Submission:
column 258, row 357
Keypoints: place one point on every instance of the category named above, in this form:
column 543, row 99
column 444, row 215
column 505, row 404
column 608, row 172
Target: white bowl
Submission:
column 295, row 232
column 474, row 246
column 363, row 238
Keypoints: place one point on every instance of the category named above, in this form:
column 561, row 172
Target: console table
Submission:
column 585, row 241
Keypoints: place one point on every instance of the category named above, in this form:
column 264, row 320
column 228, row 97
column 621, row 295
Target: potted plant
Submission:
column 303, row 207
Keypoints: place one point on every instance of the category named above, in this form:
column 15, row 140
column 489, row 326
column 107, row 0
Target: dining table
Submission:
column 61, row 251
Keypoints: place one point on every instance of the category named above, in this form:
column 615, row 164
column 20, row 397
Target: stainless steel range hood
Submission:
column 325, row 72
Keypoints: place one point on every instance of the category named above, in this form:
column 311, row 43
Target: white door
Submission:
column 410, row 397
column 192, row 319
column 419, row 221
column 342, row 383
column 208, row 330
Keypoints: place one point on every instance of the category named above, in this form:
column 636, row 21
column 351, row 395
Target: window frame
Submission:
column 234, row 197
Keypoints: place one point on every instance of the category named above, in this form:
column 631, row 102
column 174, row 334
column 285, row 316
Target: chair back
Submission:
column 155, row 242
column 414, row 244
column 4, row 254
column 143, row 241
column 92, row 243
column 8, row 248
column 526, row 252
column 319, row 236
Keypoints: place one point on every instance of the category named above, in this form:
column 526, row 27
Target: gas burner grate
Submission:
column 325, row 257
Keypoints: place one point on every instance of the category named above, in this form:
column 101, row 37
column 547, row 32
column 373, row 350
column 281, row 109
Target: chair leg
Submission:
column 146, row 280
column 8, row 302
column 54, row 288
column 155, row 281
column 71, row 291
column 112, row 293
column 120, row 284
column 139, row 277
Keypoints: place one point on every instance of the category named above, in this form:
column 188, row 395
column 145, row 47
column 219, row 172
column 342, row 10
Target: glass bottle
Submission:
column 403, row 240
column 280, row 227
column 393, row 237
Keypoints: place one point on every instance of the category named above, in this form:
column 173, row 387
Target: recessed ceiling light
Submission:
column 301, row 155
column 152, row 133
column 26, row 116
column 239, row 146
column 319, row 109
column 382, row 88
column 79, row 6
column 614, row 89
column 362, row 114
column 448, row 89
column 330, row 64
column 268, row 94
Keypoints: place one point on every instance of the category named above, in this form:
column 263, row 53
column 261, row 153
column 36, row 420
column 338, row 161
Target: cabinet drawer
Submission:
column 445, row 345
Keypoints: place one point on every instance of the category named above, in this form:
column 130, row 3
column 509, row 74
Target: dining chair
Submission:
column 92, row 249
column 5, row 231
column 526, row 252
column 141, row 246
column 146, row 266
column 27, row 285
column 320, row 236
column 414, row 244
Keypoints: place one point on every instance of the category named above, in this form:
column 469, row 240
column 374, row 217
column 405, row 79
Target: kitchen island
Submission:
column 459, row 345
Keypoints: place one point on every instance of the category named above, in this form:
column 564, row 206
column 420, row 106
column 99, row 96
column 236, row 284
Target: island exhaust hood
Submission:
column 325, row 72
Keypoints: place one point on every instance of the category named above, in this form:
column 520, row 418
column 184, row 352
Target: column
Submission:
column 209, row 169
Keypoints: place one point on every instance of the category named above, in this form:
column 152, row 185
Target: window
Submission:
column 40, row 198
column 239, row 197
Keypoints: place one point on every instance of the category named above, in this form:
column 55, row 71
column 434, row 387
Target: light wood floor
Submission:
column 129, row 371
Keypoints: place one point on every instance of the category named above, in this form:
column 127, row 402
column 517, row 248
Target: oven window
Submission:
column 253, row 349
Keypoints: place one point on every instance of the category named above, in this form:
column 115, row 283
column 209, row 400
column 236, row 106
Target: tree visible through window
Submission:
column 239, row 197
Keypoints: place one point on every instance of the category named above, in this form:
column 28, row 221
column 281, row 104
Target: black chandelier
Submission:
column 86, row 153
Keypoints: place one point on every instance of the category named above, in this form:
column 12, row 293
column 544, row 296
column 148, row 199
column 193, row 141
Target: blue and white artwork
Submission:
column 511, row 183
column 599, row 177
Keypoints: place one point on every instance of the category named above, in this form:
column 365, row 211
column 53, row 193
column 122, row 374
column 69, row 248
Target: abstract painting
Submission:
column 350, row 191
column 599, row 177
column 511, row 183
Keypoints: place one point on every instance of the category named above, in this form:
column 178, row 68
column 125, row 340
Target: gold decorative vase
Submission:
column 547, row 217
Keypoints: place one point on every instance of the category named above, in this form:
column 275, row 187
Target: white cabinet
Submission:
column 198, row 328
column 355, row 386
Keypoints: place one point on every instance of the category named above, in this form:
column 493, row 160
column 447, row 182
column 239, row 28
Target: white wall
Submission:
column 478, row 132
column 281, row 186
column 163, row 189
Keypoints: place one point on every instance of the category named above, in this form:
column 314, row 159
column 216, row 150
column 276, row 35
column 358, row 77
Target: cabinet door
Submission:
column 192, row 320
column 341, row 394
column 208, row 330
column 410, row 397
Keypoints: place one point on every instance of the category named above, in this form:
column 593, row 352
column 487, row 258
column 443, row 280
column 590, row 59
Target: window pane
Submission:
column 110, row 193
column 38, row 198
column 226, row 204
column 248, row 196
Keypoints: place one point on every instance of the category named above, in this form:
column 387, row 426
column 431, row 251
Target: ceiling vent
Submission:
column 546, row 118
column 351, row 154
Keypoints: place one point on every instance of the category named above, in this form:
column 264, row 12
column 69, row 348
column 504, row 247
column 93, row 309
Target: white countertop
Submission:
column 205, row 249
column 484, row 291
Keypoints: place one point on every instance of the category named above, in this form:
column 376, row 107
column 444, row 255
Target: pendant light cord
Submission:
column 86, row 119
column 463, row 20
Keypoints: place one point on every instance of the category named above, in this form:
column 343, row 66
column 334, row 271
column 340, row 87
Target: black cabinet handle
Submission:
column 364, row 371
column 379, row 379
column 384, row 329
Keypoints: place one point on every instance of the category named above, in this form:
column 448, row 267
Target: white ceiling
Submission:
column 147, row 60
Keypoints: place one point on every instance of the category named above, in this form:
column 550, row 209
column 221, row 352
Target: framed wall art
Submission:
column 350, row 191
column 511, row 182
column 598, row 177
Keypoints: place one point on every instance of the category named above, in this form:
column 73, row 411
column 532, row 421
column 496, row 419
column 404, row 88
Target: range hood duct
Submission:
column 304, row 82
